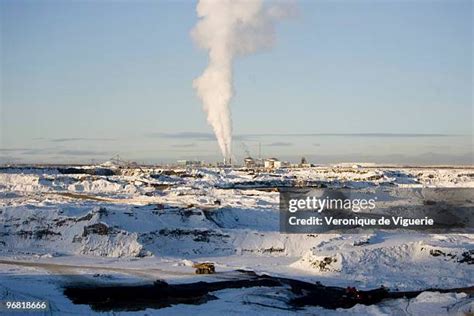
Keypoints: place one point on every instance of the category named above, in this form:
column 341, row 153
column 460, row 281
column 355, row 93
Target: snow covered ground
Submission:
column 96, row 225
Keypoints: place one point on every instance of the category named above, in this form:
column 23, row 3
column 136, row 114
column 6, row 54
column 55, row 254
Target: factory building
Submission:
column 269, row 163
column 274, row 163
column 249, row 162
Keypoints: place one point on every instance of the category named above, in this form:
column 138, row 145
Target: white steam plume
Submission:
column 227, row 29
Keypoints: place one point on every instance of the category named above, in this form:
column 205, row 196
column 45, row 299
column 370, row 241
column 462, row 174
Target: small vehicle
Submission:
column 204, row 268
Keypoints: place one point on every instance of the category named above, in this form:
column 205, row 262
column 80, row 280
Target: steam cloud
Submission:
column 228, row 29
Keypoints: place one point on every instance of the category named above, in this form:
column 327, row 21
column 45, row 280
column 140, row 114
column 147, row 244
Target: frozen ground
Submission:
column 95, row 225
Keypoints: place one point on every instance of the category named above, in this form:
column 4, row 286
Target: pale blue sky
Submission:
column 84, row 80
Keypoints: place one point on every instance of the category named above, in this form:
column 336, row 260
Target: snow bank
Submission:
column 48, row 231
column 20, row 182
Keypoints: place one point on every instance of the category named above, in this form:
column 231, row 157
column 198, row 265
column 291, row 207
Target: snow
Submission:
column 147, row 224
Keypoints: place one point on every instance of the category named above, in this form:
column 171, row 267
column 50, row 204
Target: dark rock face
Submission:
column 196, row 234
column 94, row 172
column 99, row 229
column 466, row 257
column 43, row 233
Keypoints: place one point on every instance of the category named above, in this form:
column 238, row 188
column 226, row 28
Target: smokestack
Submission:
column 227, row 29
